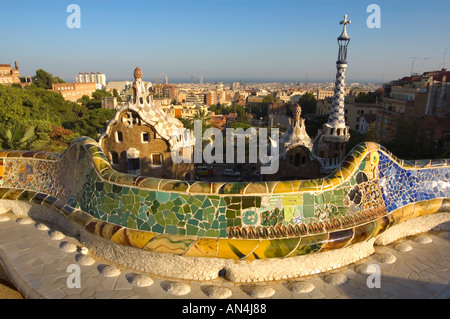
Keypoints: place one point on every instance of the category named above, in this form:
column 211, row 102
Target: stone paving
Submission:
column 39, row 259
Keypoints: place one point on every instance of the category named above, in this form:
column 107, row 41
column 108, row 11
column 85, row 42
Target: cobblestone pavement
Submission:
column 37, row 258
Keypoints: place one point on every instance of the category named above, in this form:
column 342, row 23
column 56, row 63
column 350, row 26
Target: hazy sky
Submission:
column 245, row 39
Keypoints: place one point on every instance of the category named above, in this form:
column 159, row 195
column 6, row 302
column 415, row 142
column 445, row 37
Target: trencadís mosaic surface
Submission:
column 372, row 191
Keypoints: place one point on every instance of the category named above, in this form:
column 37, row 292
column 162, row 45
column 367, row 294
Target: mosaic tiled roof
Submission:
column 295, row 135
column 137, row 73
column 167, row 127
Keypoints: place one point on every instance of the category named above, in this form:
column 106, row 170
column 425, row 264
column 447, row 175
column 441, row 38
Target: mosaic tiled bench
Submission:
column 240, row 221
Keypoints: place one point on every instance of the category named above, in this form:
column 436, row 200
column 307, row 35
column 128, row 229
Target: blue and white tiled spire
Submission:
column 336, row 130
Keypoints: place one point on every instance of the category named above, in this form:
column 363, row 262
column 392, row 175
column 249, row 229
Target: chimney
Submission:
column 15, row 65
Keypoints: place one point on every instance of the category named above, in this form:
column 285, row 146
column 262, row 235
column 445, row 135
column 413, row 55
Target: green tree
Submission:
column 204, row 116
column 308, row 103
column 268, row 99
column 17, row 137
column 44, row 80
column 410, row 141
column 242, row 116
column 98, row 94
column 56, row 122
column 12, row 109
column 117, row 95
column 314, row 123
column 187, row 123
column 96, row 101
column 366, row 98
column 93, row 122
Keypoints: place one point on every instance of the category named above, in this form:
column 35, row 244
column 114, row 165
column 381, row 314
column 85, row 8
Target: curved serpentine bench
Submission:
column 240, row 221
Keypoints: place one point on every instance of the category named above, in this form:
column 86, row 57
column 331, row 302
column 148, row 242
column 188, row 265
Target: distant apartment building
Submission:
column 195, row 99
column 426, row 97
column 295, row 96
column 277, row 108
column 9, row 75
column 161, row 102
column 438, row 102
column 235, row 86
column 322, row 94
column 180, row 111
column 74, row 91
column 282, row 96
column 323, row 107
column 211, row 98
column 224, row 97
column 239, row 98
column 120, row 86
column 168, row 91
column 94, row 77
column 217, row 97
column 356, row 91
column 354, row 111
column 261, row 92
column 254, row 100
column 364, row 122
column 109, row 102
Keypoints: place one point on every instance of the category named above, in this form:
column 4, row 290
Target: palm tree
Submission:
column 16, row 137
column 204, row 116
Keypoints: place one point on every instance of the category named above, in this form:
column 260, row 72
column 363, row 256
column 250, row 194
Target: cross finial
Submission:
column 345, row 21
column 344, row 34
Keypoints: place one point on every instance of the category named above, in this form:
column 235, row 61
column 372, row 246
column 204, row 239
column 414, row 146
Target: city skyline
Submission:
column 230, row 41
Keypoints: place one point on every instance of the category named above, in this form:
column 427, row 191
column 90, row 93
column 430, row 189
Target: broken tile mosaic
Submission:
column 372, row 191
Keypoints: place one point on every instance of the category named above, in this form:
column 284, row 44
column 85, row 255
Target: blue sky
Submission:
column 229, row 40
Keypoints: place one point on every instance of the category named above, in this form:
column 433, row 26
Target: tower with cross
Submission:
column 335, row 131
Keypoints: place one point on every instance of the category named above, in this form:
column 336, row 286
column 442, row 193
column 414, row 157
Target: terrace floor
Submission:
column 36, row 259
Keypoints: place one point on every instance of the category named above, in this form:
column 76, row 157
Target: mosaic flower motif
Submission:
column 374, row 158
column 272, row 218
column 250, row 218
